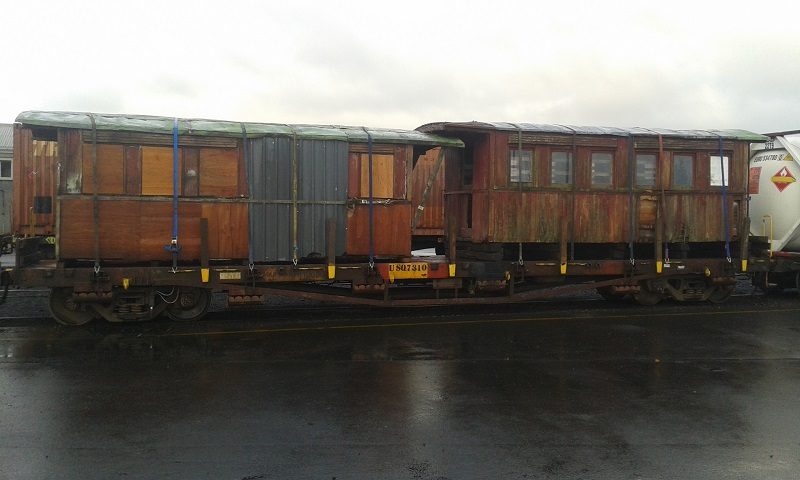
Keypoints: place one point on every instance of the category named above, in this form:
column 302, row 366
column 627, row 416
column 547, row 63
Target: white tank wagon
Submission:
column 775, row 193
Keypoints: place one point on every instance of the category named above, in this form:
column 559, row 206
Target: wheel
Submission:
column 647, row 297
column 66, row 311
column 721, row 293
column 191, row 304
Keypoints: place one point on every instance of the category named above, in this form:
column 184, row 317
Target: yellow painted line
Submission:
column 468, row 322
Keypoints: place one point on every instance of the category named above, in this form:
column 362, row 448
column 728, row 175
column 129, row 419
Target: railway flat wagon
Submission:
column 126, row 217
column 668, row 207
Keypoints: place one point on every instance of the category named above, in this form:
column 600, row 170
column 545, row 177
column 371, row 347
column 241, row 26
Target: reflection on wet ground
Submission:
column 579, row 392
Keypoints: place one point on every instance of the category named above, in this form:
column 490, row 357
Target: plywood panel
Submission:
column 110, row 169
column 156, row 230
column 133, row 170
column 118, row 229
column 132, row 231
column 229, row 224
column 392, row 230
column 157, row 171
column 219, row 172
column 382, row 176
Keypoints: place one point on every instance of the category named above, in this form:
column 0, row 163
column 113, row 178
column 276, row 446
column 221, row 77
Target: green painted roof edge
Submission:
column 224, row 128
column 729, row 134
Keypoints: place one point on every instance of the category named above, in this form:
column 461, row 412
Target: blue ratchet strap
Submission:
column 173, row 247
column 371, row 202
column 724, row 203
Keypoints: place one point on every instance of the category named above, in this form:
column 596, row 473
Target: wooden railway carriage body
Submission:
column 590, row 195
column 111, row 192
column 147, row 215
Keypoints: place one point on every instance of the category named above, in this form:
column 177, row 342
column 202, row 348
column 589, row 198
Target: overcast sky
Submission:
column 670, row 64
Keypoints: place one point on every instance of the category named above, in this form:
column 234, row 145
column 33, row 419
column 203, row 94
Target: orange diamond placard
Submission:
column 783, row 179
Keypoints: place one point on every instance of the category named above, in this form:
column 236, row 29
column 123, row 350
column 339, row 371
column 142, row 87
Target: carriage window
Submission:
column 719, row 171
column 602, row 169
column 645, row 170
column 561, row 168
column 682, row 171
column 521, row 166
column 5, row 169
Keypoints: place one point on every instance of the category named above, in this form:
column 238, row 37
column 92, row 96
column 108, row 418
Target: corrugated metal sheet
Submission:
column 322, row 194
column 222, row 128
column 6, row 137
column 589, row 130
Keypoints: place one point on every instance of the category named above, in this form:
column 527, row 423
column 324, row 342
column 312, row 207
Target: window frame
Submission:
column 610, row 184
column 714, row 160
column 511, row 155
column 692, row 177
column 10, row 169
column 636, row 183
column 570, row 169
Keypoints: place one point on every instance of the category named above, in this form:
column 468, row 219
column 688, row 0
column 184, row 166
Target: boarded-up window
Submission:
column 682, row 171
column 219, row 172
column 157, row 171
column 382, row 175
column 645, row 170
column 719, row 171
column 561, row 168
column 521, row 166
column 109, row 169
column 602, row 169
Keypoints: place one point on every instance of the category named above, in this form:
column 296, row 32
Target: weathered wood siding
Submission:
column 533, row 212
column 136, row 231
column 35, row 173
column 431, row 218
column 391, row 230
column 391, row 171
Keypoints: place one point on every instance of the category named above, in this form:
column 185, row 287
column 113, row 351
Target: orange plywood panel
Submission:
column 219, row 172
column 228, row 229
column 382, row 175
column 110, row 169
column 157, row 171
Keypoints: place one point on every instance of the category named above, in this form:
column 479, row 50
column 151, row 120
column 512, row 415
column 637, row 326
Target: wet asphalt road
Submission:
column 576, row 390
